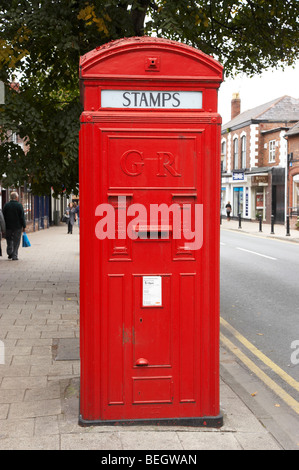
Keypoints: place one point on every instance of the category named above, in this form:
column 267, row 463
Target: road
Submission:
column 260, row 306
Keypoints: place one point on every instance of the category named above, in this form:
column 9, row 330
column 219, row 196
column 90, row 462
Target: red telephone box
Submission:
column 150, row 235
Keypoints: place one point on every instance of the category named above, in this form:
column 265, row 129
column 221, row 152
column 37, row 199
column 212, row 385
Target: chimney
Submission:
column 236, row 105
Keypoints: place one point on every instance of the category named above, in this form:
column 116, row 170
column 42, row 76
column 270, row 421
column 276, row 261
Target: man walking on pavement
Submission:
column 15, row 223
column 2, row 229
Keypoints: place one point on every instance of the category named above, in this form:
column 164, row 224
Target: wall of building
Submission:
column 241, row 186
column 293, row 179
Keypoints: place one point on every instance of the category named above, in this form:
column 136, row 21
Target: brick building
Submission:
column 255, row 158
column 292, row 137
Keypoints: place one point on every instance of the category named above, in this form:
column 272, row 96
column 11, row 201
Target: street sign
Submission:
column 238, row 176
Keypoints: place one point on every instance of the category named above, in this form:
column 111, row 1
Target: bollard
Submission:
column 272, row 224
column 260, row 222
column 240, row 222
column 288, row 226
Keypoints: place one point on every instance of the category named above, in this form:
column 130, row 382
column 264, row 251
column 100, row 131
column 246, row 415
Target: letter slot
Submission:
column 152, row 232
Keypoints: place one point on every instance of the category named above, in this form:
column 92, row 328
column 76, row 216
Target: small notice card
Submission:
column 152, row 291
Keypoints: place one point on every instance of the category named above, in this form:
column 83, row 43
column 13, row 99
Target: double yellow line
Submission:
column 290, row 401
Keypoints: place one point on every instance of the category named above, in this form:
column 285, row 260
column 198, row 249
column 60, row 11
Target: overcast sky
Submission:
column 258, row 90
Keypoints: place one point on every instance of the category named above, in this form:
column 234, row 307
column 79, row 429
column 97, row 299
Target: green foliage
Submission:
column 41, row 42
column 245, row 36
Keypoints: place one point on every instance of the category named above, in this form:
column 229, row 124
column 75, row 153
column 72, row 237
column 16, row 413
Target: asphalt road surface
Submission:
column 260, row 305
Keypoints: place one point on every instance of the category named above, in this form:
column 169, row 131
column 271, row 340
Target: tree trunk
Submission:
column 138, row 16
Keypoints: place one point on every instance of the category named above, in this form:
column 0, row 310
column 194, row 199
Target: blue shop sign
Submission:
column 238, row 176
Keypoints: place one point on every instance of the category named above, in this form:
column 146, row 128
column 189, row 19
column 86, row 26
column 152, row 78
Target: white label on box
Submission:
column 152, row 291
column 151, row 99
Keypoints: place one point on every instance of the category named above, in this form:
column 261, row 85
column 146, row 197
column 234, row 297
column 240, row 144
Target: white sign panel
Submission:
column 151, row 99
column 238, row 176
column 152, row 291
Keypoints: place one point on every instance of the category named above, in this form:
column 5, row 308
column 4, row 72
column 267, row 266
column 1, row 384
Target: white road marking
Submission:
column 258, row 254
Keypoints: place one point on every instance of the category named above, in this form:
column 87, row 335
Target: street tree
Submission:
column 40, row 46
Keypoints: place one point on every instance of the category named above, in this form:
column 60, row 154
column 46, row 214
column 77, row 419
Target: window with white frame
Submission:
column 243, row 152
column 223, row 155
column 236, row 154
column 296, row 193
column 272, row 147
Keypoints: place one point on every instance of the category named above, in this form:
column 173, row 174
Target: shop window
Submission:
column 238, row 202
column 223, row 201
column 26, row 199
column 259, row 204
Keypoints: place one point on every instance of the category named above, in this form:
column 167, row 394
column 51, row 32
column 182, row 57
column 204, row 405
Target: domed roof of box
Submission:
column 126, row 57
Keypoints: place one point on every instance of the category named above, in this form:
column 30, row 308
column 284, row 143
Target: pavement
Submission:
column 39, row 379
column 253, row 228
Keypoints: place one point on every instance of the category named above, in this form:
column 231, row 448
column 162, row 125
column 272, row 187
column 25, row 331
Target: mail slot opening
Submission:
column 152, row 232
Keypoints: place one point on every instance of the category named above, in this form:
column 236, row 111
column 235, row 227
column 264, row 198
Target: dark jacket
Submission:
column 14, row 216
column 2, row 225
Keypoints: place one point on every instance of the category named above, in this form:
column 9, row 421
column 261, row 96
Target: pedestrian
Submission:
column 228, row 210
column 71, row 217
column 2, row 229
column 15, row 224
column 77, row 214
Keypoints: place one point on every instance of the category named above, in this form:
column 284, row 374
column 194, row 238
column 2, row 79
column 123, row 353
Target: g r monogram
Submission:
column 132, row 163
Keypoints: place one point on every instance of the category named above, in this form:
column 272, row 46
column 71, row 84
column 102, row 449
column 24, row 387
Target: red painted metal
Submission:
column 144, row 363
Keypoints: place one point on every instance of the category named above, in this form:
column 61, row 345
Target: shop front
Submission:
column 259, row 186
column 235, row 189
column 238, row 202
column 296, row 194
column 255, row 193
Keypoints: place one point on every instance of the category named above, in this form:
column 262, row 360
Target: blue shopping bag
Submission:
column 26, row 241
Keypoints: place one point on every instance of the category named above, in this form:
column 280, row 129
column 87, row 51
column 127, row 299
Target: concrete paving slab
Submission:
column 66, row 349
